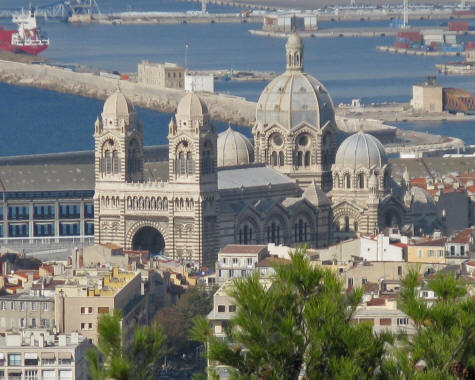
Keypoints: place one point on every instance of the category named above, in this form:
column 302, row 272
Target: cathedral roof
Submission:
column 294, row 97
column 118, row 105
column 250, row 176
column 234, row 149
column 294, row 41
column 360, row 150
column 191, row 107
column 315, row 195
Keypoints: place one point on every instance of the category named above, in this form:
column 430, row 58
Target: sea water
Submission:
column 41, row 121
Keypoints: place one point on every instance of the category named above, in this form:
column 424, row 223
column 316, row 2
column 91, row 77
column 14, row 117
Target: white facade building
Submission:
column 35, row 355
column 236, row 261
column 381, row 249
column 199, row 83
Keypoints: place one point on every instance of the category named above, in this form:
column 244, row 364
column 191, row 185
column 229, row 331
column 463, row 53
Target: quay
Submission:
column 343, row 14
column 166, row 18
column 222, row 107
column 392, row 49
column 351, row 32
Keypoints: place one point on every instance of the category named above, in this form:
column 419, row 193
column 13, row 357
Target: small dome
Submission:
column 191, row 107
column 292, row 98
column 294, row 41
column 118, row 105
column 234, row 149
column 360, row 150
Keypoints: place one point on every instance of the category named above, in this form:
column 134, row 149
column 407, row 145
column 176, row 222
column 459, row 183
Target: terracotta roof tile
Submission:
column 271, row 261
column 463, row 236
column 432, row 243
column 376, row 302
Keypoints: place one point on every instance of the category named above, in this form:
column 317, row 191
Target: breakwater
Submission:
column 225, row 108
column 165, row 18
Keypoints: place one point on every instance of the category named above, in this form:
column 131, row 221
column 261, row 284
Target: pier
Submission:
column 391, row 49
column 165, row 18
column 354, row 32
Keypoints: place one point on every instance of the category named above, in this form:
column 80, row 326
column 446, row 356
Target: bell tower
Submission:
column 192, row 171
column 118, row 160
column 118, row 142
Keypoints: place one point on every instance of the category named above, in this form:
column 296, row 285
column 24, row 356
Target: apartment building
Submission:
column 235, row 261
column 21, row 311
column 38, row 355
column 383, row 315
column 427, row 251
column 90, row 293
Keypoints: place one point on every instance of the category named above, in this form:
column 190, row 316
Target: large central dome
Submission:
column 295, row 97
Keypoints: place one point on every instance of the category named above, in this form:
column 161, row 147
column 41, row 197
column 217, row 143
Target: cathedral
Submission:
column 294, row 184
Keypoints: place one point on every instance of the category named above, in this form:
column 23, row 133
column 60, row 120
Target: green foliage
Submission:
column 300, row 320
column 114, row 360
column 177, row 320
column 445, row 332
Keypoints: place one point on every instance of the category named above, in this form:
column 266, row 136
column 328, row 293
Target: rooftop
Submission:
column 270, row 261
column 235, row 248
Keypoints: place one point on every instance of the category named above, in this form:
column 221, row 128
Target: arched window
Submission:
column 307, row 159
column 300, row 230
column 181, row 163
column 207, row 161
column 274, row 159
column 273, row 233
column 299, row 159
column 347, row 224
column 115, row 162
column 189, row 164
column 108, row 160
column 361, row 180
column 336, row 181
column 347, row 181
column 281, row 159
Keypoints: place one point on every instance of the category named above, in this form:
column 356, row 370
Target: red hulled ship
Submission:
column 27, row 39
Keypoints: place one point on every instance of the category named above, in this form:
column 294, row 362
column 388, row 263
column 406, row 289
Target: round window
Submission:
column 303, row 140
column 277, row 139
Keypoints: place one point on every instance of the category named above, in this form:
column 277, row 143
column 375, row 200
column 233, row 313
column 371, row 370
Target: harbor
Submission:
column 222, row 107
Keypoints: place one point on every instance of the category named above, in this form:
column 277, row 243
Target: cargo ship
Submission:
column 27, row 39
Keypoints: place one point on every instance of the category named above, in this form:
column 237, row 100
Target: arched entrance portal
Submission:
column 150, row 239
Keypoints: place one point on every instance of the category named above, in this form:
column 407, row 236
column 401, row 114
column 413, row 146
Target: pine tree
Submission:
column 443, row 346
column 113, row 360
column 299, row 322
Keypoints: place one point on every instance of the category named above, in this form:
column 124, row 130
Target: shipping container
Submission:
column 469, row 45
column 401, row 45
column 411, row 36
column 458, row 26
column 465, row 13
